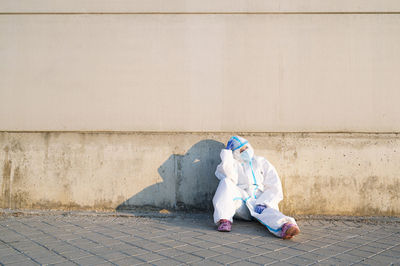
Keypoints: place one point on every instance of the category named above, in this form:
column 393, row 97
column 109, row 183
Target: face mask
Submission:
column 246, row 156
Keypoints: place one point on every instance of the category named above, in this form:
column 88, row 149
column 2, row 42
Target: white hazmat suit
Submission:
column 246, row 183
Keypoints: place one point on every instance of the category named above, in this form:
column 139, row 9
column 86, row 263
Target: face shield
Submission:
column 241, row 149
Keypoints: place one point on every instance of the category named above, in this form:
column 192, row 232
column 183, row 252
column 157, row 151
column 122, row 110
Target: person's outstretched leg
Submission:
column 224, row 204
column 277, row 223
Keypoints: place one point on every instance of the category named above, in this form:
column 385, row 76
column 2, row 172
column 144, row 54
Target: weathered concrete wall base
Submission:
column 332, row 174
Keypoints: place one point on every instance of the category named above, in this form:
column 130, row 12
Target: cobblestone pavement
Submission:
column 88, row 239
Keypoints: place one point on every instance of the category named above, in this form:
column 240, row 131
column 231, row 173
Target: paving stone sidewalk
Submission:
column 50, row 238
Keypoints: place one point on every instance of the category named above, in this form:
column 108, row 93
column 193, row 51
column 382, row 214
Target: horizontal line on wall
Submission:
column 200, row 13
column 197, row 132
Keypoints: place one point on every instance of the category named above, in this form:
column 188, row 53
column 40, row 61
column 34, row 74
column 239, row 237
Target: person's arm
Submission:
column 227, row 168
column 272, row 194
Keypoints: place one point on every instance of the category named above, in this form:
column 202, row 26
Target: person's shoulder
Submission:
column 260, row 158
column 262, row 161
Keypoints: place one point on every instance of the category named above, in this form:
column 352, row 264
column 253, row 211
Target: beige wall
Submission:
column 178, row 70
column 208, row 66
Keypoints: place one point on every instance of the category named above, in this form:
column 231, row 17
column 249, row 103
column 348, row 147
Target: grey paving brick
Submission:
column 312, row 256
column 41, row 254
column 206, row 262
column 384, row 259
column 347, row 258
column 267, row 247
column 370, row 238
column 151, row 256
column 225, row 259
column 379, row 245
column 371, row 249
column 63, row 248
column 50, row 259
column 240, row 254
column 370, row 262
column 188, row 248
column 187, row 258
column 335, row 236
column 261, row 260
column 46, row 239
column 391, row 253
column 252, row 242
column 133, row 251
column 167, row 261
column 397, row 247
column 281, row 263
column 73, row 255
column 161, row 239
column 299, row 261
column 323, row 242
column 145, row 264
column 156, row 246
column 91, row 260
column 65, row 263
column 121, row 246
column 223, row 249
column 206, row 244
column 242, row 246
column 360, row 253
column 280, row 255
column 11, row 238
column 115, row 234
column 83, row 244
column 23, row 263
column 35, row 250
column 49, row 245
column 243, row 263
column 190, row 234
column 13, row 258
column 171, row 252
column 114, row 256
column 392, row 240
column 21, row 244
column 8, row 251
column 305, row 247
column 142, row 243
column 102, row 250
column 348, row 245
column 190, row 240
column 38, row 235
column 205, row 253
column 358, row 240
column 172, row 244
column 212, row 239
column 328, row 251
column 291, row 251
column 333, row 261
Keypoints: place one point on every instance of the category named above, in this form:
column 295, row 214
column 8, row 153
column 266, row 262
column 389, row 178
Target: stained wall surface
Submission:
column 347, row 174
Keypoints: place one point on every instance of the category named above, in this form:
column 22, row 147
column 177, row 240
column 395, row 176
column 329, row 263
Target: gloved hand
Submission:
column 259, row 208
column 229, row 146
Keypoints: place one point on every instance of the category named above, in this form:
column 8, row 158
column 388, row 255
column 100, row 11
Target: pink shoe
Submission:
column 224, row 225
column 289, row 230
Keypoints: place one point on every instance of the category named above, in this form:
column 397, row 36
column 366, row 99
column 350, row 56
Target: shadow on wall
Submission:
column 189, row 181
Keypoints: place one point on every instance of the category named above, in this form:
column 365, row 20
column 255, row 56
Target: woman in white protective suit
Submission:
column 249, row 187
